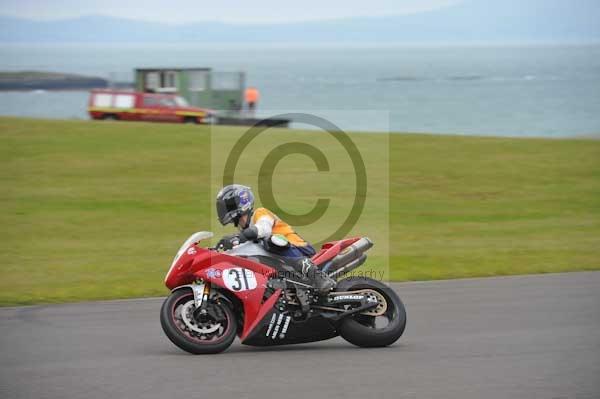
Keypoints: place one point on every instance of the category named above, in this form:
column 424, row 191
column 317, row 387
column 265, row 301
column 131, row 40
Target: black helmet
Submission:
column 233, row 201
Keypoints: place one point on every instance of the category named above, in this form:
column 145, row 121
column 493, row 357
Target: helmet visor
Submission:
column 226, row 210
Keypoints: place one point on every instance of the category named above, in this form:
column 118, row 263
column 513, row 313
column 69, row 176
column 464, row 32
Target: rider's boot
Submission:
column 321, row 281
column 303, row 299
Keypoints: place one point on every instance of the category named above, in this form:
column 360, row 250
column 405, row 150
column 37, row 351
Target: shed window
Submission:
column 227, row 81
column 197, row 80
column 152, row 80
column 170, row 80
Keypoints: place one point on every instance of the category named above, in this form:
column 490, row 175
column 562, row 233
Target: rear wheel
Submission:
column 212, row 332
column 373, row 331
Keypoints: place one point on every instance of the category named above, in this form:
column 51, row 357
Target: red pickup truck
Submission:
column 136, row 106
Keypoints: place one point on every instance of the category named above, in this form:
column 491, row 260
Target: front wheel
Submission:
column 212, row 332
column 373, row 331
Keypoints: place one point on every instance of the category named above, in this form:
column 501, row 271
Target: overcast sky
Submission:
column 239, row 11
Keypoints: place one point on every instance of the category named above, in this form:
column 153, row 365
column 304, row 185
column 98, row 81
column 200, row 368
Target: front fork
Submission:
column 201, row 292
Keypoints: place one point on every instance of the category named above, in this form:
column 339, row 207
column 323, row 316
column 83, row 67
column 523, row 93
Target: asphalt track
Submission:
column 510, row 337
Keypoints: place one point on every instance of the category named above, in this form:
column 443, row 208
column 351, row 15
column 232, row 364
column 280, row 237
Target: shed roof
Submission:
column 171, row 69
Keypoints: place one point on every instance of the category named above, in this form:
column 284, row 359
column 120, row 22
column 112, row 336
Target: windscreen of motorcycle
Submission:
column 193, row 239
column 249, row 249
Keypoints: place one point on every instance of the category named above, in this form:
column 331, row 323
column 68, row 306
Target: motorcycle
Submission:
column 250, row 292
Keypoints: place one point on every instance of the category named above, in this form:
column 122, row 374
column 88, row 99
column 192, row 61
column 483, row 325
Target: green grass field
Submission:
column 96, row 210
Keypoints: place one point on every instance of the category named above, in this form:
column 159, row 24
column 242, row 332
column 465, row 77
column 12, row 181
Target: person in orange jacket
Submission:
column 235, row 204
column 251, row 95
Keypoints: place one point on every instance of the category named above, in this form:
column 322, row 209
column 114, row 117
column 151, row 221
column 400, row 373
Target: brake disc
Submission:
column 374, row 296
column 187, row 311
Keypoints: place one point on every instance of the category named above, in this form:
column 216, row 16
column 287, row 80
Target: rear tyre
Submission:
column 369, row 331
column 206, row 334
column 110, row 117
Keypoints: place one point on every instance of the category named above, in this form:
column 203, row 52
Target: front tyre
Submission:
column 198, row 334
column 373, row 331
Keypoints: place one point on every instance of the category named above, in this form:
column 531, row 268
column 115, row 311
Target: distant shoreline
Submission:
column 51, row 81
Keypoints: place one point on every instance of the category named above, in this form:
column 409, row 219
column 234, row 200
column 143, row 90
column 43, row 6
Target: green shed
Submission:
column 201, row 87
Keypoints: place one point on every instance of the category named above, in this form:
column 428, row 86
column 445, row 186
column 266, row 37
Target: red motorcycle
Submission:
column 257, row 295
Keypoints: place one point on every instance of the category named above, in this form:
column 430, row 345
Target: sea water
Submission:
column 544, row 90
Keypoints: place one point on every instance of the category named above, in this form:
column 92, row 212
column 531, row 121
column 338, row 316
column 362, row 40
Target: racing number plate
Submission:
column 239, row 279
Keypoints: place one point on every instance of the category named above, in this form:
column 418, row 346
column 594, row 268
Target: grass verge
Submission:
column 96, row 210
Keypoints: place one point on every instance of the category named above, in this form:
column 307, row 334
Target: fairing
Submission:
column 247, row 280
column 279, row 328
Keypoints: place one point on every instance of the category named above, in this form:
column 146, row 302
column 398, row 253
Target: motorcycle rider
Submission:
column 235, row 204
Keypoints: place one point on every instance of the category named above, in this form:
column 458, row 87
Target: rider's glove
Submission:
column 228, row 242
column 249, row 234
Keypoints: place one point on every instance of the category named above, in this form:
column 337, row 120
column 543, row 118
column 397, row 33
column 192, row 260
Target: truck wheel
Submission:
column 191, row 120
column 110, row 117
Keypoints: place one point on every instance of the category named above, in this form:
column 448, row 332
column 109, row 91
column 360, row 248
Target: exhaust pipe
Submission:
column 349, row 254
column 349, row 267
